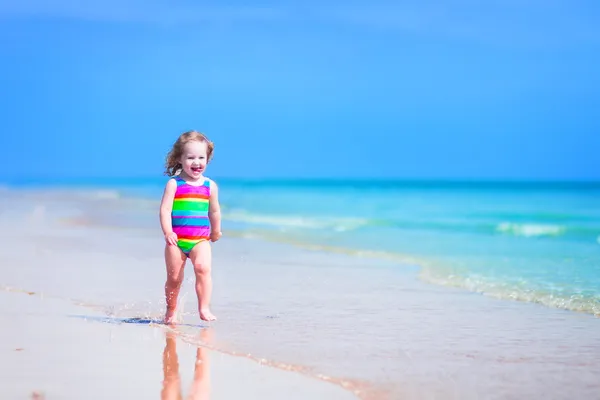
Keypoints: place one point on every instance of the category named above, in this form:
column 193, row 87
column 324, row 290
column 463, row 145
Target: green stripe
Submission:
column 185, row 245
column 182, row 205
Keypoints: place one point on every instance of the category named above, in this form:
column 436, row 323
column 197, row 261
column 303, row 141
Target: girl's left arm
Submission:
column 214, row 209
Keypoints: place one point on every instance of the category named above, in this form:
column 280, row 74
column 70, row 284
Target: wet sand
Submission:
column 49, row 351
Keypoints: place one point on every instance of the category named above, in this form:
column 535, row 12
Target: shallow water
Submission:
column 537, row 243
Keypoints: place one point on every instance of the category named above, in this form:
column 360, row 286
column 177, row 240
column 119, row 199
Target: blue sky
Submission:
column 419, row 89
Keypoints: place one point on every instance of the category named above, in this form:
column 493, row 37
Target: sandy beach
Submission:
column 79, row 300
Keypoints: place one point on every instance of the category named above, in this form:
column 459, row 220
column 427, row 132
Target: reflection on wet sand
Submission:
column 200, row 388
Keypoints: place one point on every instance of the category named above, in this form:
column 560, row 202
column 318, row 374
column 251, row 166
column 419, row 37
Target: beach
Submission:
column 82, row 294
column 62, row 339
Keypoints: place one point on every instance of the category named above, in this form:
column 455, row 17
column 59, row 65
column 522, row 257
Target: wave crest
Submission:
column 530, row 230
column 301, row 222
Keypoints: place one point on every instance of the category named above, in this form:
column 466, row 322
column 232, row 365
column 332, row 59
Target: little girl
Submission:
column 190, row 217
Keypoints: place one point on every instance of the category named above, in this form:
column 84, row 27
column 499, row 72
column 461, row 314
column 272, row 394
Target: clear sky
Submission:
column 414, row 89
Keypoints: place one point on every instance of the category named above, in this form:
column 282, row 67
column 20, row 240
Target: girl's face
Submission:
column 194, row 158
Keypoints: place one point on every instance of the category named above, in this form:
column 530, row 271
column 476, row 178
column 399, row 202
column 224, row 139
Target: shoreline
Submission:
column 425, row 274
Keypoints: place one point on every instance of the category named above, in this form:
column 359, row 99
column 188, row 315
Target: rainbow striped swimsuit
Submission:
column 189, row 217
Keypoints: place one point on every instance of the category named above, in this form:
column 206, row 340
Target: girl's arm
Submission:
column 214, row 211
column 166, row 206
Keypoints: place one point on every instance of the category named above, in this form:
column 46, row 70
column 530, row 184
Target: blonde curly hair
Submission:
column 172, row 164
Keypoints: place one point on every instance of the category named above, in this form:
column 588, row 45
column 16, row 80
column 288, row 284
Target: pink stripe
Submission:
column 191, row 230
column 187, row 189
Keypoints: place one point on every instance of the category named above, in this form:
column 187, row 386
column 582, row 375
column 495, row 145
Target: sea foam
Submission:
column 530, row 230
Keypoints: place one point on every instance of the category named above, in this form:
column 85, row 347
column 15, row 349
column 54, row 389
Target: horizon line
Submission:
column 323, row 179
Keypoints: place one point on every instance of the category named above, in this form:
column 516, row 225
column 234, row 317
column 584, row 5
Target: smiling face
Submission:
column 194, row 158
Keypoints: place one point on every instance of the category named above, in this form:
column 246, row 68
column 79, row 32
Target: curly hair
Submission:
column 172, row 164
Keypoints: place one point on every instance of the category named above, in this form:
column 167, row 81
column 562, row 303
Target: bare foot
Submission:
column 206, row 315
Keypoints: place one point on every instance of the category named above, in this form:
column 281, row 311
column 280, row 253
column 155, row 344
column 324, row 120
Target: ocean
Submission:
column 537, row 242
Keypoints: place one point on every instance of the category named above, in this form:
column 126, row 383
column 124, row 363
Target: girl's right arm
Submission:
column 166, row 206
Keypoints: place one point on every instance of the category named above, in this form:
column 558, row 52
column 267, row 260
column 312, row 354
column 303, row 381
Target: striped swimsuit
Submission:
column 189, row 217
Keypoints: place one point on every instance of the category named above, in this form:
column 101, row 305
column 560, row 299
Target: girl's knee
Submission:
column 202, row 268
column 174, row 281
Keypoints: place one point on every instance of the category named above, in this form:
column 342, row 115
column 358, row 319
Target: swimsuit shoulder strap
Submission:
column 179, row 180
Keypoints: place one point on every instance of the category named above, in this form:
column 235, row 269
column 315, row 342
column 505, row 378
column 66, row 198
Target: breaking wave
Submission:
column 291, row 221
column 530, row 230
column 341, row 224
column 572, row 300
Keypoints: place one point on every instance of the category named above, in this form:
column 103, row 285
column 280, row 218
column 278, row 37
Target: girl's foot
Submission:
column 206, row 315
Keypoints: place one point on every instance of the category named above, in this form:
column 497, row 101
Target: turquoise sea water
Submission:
column 536, row 242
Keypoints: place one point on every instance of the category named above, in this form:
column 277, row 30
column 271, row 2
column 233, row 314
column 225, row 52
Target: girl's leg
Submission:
column 201, row 256
column 175, row 261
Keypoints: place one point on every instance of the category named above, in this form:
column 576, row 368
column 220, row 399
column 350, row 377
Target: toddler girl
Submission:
column 190, row 218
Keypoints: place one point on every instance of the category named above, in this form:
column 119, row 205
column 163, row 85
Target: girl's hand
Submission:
column 171, row 239
column 214, row 236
